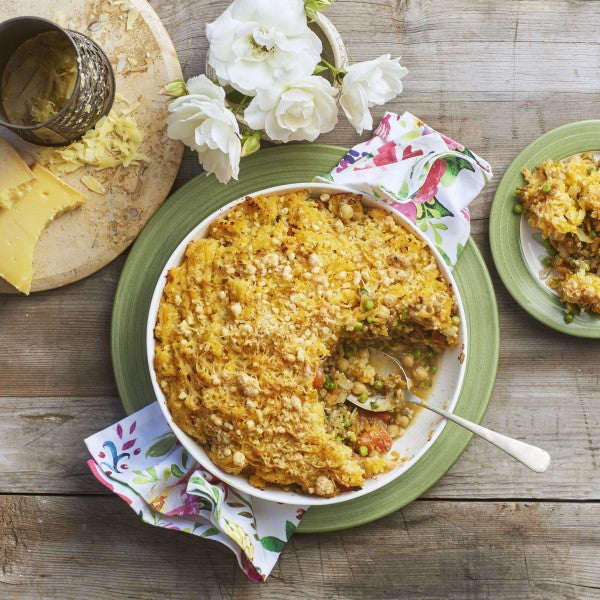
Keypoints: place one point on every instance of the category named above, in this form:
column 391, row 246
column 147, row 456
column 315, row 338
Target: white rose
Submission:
column 367, row 84
column 256, row 42
column 297, row 110
column 202, row 122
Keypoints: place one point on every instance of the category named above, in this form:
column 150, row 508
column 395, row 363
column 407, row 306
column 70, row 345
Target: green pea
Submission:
column 347, row 421
column 592, row 234
column 425, row 385
column 455, row 320
column 363, row 451
column 363, row 397
column 357, row 327
column 552, row 251
column 569, row 316
column 416, row 352
column 403, row 314
column 428, row 352
column 329, row 384
column 586, row 266
column 433, row 369
column 518, row 209
column 546, row 188
column 378, row 384
column 370, row 319
column 338, row 438
column 368, row 304
column 547, row 261
column 591, row 170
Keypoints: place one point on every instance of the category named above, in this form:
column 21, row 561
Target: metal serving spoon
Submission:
column 535, row 458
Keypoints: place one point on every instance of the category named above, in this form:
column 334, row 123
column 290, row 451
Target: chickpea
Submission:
column 358, row 388
column 393, row 430
column 421, row 373
column 408, row 360
column 342, row 364
column 402, row 421
column 346, row 212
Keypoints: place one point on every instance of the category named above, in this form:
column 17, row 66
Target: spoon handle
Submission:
column 535, row 458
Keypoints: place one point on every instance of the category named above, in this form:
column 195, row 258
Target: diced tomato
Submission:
column 375, row 439
column 319, row 379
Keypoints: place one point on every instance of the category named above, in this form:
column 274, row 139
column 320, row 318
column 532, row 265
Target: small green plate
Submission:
column 505, row 237
column 274, row 166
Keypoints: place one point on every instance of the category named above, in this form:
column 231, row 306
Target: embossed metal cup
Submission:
column 93, row 93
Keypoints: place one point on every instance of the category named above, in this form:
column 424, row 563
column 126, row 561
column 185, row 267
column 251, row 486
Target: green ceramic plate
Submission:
column 274, row 166
column 505, row 229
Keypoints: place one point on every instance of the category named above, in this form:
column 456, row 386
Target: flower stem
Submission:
column 239, row 106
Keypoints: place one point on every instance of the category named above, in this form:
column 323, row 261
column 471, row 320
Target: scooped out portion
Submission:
column 254, row 327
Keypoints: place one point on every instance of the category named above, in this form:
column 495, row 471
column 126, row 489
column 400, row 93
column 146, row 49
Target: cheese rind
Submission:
column 22, row 225
column 15, row 176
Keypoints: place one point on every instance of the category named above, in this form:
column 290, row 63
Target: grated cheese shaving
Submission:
column 115, row 140
column 93, row 184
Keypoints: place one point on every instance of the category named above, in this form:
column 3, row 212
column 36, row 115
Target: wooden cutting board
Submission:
column 79, row 243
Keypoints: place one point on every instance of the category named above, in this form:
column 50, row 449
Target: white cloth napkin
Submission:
column 429, row 178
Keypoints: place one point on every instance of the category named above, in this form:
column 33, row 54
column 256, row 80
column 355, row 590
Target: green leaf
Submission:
column 289, row 529
column 319, row 69
column 423, row 227
column 162, row 447
column 177, row 472
column 141, row 480
column 454, row 165
column 404, row 191
column 256, row 537
column 441, row 226
column 312, row 7
column 439, row 208
column 459, row 249
column 272, row 544
column 246, row 514
column 436, row 214
column 236, row 504
column 437, row 237
column 152, row 473
column 209, row 532
column 184, row 458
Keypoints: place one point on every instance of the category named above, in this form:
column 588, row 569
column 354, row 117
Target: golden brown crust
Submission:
column 257, row 307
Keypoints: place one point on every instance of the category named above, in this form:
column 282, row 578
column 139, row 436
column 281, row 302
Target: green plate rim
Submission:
column 275, row 166
column 504, row 232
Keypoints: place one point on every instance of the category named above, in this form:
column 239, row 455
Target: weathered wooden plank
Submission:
column 58, row 341
column 96, row 548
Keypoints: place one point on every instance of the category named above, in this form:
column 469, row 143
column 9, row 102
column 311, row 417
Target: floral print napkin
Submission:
column 428, row 177
column 140, row 460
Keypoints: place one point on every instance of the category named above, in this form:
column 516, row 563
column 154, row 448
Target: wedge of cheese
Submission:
column 15, row 176
column 22, row 225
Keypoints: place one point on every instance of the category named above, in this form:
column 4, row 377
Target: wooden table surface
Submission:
column 494, row 76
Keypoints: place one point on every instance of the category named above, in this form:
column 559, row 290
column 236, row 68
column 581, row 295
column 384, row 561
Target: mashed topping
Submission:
column 262, row 305
column 562, row 201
